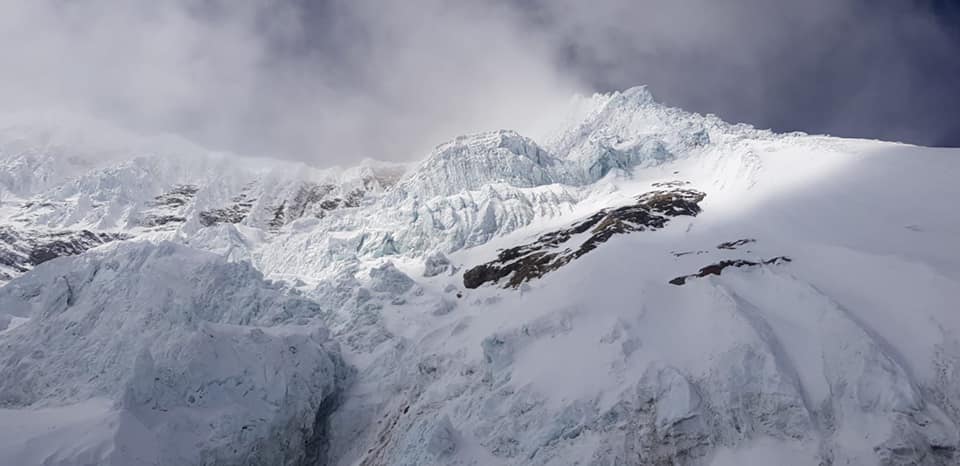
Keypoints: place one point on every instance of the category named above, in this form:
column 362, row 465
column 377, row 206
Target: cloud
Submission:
column 332, row 81
column 883, row 69
column 150, row 64
column 326, row 82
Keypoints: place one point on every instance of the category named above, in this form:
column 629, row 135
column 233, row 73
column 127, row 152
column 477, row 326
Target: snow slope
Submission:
column 159, row 354
column 846, row 355
column 815, row 321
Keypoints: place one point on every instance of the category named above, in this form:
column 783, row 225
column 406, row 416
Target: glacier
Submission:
column 255, row 311
column 174, row 355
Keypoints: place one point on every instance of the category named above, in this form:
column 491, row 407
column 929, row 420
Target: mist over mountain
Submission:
column 636, row 285
column 391, row 233
column 314, row 81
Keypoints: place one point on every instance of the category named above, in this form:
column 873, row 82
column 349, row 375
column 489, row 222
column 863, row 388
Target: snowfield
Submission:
column 680, row 291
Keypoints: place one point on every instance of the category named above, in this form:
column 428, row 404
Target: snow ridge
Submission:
column 801, row 313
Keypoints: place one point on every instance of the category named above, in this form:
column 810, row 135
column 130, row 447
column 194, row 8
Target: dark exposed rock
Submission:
column 179, row 196
column 736, row 244
column 279, row 216
column 21, row 250
column 729, row 245
column 523, row 263
column 313, row 199
column 166, row 208
column 687, row 253
column 234, row 213
column 717, row 269
column 68, row 244
column 670, row 184
column 936, row 454
column 307, row 195
column 352, row 200
column 161, row 220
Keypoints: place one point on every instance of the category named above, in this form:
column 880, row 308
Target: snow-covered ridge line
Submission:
column 651, row 211
column 171, row 188
column 797, row 307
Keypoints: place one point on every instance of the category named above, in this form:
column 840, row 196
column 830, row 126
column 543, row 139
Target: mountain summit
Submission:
column 638, row 285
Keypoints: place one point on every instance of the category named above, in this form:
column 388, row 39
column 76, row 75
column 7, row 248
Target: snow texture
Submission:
column 176, row 356
column 363, row 346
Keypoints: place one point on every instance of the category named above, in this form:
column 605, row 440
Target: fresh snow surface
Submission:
column 323, row 318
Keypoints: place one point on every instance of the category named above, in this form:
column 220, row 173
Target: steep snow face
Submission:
column 175, row 191
column 791, row 304
column 37, row 152
column 623, row 130
column 468, row 191
column 469, row 163
column 73, row 179
column 596, row 136
column 845, row 354
column 480, row 187
column 168, row 355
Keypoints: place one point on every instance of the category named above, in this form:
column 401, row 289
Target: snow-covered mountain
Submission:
column 641, row 285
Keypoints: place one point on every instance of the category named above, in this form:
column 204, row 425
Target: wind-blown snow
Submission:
column 848, row 353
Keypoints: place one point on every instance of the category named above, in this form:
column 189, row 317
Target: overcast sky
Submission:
column 332, row 81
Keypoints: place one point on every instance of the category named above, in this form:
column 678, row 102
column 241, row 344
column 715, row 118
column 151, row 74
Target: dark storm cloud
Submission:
column 331, row 81
column 879, row 69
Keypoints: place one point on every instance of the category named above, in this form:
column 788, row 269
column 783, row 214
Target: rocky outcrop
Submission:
column 233, row 213
column 179, row 196
column 167, row 208
column 551, row 251
column 731, row 245
column 718, row 268
column 21, row 250
column 315, row 200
